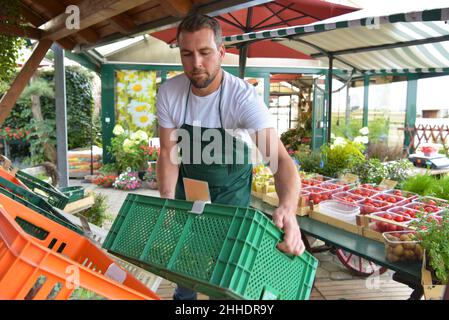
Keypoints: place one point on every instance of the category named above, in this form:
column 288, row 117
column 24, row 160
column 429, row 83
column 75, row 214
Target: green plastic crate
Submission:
column 35, row 203
column 44, row 189
column 73, row 193
column 226, row 252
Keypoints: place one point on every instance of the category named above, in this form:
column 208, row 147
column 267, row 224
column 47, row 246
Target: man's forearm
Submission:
column 288, row 183
column 167, row 176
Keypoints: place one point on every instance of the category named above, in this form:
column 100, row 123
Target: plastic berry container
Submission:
column 390, row 198
column 433, row 201
column 404, row 211
column 370, row 205
column 346, row 186
column 380, row 221
column 347, row 197
column 409, row 196
column 424, row 208
column 334, row 187
column 308, row 182
column 318, row 194
column 402, row 246
column 363, row 192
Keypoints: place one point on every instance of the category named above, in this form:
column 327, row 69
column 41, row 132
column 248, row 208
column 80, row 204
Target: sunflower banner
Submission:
column 136, row 100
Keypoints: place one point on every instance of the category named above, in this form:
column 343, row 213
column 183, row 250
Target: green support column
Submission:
column 365, row 101
column 107, row 109
column 266, row 90
column 410, row 113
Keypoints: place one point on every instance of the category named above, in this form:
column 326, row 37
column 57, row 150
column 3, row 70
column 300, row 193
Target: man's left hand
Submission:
column 285, row 219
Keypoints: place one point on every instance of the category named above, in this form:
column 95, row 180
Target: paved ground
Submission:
column 333, row 280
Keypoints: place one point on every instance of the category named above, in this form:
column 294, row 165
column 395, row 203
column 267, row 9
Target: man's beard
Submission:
column 203, row 83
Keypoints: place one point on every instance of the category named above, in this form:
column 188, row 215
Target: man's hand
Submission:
column 285, row 219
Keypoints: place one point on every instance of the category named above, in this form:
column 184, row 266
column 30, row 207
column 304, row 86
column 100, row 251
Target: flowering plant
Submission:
column 128, row 180
column 150, row 153
column 128, row 148
column 105, row 181
column 8, row 133
column 150, row 173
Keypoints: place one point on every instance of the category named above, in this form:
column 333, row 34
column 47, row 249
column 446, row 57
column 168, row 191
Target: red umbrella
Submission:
column 270, row 15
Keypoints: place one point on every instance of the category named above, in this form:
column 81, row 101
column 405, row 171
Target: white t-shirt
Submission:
column 241, row 107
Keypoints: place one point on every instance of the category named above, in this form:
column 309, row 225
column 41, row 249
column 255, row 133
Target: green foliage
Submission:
column 398, row 170
column 339, row 159
column 97, row 214
column 440, row 189
column 109, row 168
column 132, row 157
column 79, row 106
column 10, row 46
column 370, row 171
column 378, row 129
column 435, row 240
column 350, row 131
column 374, row 171
column 79, row 111
column 39, row 87
column 308, row 160
column 380, row 150
column 419, row 184
column 41, row 132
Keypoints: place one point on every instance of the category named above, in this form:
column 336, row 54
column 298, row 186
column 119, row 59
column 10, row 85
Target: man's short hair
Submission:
column 195, row 22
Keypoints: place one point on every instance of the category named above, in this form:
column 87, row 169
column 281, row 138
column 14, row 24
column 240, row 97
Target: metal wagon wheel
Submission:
column 359, row 266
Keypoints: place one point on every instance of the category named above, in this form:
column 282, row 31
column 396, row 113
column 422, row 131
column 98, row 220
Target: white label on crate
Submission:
column 114, row 272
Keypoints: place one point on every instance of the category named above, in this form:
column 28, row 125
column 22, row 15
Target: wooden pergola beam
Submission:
column 91, row 12
column 10, row 97
column 123, row 23
column 176, row 8
column 37, row 20
column 20, row 31
column 89, row 35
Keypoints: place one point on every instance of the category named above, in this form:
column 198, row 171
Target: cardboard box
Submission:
column 273, row 200
column 369, row 233
column 431, row 291
column 353, row 228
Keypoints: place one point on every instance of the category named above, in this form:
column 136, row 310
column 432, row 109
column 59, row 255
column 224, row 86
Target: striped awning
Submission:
column 414, row 42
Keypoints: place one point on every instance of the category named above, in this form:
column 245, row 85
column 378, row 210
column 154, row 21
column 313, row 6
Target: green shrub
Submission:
column 420, row 184
column 339, row 158
column 308, row 160
column 440, row 189
column 370, row 171
column 97, row 214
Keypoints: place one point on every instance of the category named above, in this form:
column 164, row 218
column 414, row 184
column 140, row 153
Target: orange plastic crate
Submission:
column 8, row 176
column 66, row 260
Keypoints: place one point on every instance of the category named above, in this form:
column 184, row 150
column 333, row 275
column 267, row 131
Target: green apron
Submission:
column 229, row 182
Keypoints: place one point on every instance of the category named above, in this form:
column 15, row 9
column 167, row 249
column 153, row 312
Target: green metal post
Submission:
column 107, row 109
column 410, row 113
column 365, row 101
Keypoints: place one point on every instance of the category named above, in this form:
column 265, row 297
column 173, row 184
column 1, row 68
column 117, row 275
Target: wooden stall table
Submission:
column 371, row 250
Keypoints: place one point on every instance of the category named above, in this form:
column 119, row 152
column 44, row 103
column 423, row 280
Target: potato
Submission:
column 404, row 237
column 409, row 254
column 409, row 246
column 398, row 250
column 418, row 252
column 392, row 258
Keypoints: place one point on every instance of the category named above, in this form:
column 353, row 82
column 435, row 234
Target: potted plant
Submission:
column 128, row 180
column 127, row 148
column 105, row 181
column 150, row 176
column 434, row 234
column 150, row 155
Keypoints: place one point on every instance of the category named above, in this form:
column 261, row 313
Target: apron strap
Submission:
column 219, row 101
